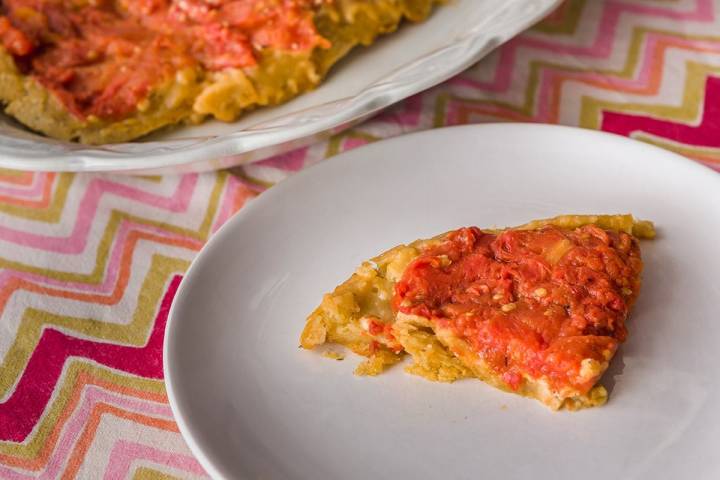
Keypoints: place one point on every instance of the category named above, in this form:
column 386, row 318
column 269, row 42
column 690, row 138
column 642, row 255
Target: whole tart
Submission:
column 103, row 71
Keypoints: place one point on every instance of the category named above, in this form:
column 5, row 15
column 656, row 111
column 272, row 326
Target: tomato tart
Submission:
column 102, row 71
column 537, row 310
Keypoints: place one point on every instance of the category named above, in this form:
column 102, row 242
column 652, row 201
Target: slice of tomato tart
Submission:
column 538, row 310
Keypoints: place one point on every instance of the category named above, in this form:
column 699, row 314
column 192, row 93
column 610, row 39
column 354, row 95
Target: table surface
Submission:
column 89, row 264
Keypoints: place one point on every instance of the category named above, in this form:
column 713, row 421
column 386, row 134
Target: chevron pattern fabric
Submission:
column 89, row 264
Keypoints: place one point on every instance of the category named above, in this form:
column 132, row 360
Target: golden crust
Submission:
column 342, row 318
column 195, row 94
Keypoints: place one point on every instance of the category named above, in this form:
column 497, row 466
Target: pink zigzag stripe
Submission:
column 703, row 134
column 226, row 209
column 9, row 474
column 406, row 114
column 351, row 143
column 124, row 453
column 112, row 268
column 292, row 161
column 601, row 47
column 32, row 191
column 226, row 205
column 641, row 81
column 9, row 181
column 75, row 243
column 20, row 412
column 92, row 396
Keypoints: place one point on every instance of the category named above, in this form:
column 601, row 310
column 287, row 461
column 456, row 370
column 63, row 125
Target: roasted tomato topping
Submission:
column 546, row 303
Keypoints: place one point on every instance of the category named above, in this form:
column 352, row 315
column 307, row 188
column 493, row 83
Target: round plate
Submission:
column 399, row 65
column 251, row 404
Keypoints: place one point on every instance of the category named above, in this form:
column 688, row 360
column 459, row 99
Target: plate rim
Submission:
column 203, row 453
column 219, row 151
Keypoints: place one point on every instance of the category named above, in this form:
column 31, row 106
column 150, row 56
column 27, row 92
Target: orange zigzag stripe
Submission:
column 133, row 239
column 42, row 202
column 16, row 177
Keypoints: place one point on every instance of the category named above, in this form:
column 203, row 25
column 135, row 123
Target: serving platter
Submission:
column 370, row 79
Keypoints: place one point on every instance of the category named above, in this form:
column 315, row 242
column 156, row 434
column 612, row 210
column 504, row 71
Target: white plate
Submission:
column 399, row 65
column 253, row 405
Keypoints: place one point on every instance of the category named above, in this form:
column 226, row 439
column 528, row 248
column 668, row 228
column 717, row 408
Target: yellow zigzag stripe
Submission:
column 145, row 473
column 702, row 153
column 239, row 172
column 573, row 11
column 6, row 172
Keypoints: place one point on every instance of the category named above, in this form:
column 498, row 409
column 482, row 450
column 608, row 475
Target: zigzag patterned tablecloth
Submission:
column 89, row 264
